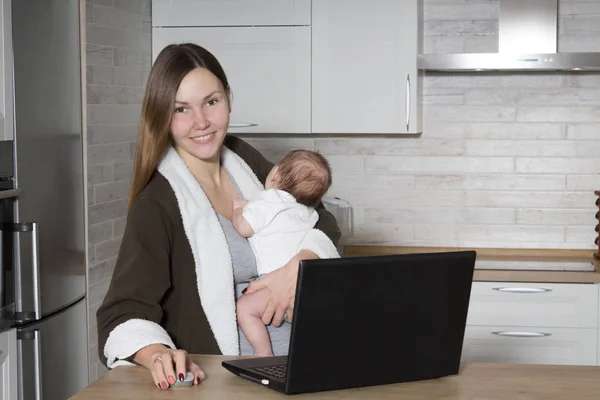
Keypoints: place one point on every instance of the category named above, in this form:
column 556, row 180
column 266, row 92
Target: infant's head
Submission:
column 304, row 174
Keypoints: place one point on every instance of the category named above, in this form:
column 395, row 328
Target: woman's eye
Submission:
column 212, row 102
column 180, row 109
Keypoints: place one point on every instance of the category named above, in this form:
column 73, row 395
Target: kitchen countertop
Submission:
column 510, row 265
column 474, row 381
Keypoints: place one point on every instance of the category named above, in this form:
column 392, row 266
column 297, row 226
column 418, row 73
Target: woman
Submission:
column 181, row 264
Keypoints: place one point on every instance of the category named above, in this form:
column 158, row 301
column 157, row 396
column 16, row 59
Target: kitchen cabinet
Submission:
column 530, row 345
column 230, row 12
column 6, row 80
column 8, row 364
column 534, row 304
column 268, row 69
column 364, row 67
column 532, row 323
column 327, row 66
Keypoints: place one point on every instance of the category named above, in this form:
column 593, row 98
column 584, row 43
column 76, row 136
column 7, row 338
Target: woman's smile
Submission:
column 204, row 138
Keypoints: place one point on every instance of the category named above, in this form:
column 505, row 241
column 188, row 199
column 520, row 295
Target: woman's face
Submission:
column 201, row 115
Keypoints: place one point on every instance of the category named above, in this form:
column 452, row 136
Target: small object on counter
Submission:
column 187, row 382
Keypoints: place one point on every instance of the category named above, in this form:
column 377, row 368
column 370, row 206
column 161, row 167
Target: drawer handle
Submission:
column 522, row 289
column 521, row 334
column 242, row 125
column 407, row 101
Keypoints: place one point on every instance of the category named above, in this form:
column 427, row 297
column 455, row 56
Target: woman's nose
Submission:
column 201, row 121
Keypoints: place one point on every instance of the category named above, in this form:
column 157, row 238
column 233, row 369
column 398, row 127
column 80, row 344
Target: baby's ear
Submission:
column 275, row 173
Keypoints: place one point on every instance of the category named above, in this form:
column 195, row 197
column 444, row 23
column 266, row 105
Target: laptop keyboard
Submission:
column 275, row 371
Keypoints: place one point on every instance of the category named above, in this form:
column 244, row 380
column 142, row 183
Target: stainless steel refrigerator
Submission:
column 49, row 264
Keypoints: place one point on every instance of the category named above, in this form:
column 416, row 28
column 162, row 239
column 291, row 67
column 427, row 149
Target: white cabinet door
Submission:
column 230, row 12
column 6, row 80
column 8, row 365
column 530, row 345
column 534, row 304
column 364, row 76
column 268, row 69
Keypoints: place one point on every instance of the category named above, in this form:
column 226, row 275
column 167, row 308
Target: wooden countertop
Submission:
column 510, row 256
column 475, row 381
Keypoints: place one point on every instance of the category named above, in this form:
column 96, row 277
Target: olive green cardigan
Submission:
column 173, row 280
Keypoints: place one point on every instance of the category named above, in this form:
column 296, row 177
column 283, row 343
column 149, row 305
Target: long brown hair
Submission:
column 154, row 133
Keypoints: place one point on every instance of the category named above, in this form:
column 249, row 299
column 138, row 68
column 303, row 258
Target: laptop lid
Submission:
column 376, row 320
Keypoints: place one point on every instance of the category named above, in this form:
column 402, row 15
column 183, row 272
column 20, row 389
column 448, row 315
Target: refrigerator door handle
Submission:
column 26, row 316
column 33, row 334
column 38, row 364
column 35, row 249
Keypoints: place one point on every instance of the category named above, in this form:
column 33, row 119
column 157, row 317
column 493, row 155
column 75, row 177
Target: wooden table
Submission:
column 474, row 382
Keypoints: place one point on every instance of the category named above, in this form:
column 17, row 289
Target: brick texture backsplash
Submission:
column 505, row 159
column 118, row 44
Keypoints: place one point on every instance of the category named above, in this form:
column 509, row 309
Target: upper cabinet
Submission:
column 6, row 81
column 268, row 69
column 364, row 67
column 230, row 12
column 296, row 66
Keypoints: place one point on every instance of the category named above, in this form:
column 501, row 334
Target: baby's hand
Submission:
column 239, row 203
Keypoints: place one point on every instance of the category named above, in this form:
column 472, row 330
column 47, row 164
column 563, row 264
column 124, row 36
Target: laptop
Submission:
column 373, row 320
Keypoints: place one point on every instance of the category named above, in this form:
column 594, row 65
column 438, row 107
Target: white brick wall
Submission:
column 505, row 159
column 118, row 60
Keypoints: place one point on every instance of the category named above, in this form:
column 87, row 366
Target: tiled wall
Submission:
column 118, row 61
column 505, row 159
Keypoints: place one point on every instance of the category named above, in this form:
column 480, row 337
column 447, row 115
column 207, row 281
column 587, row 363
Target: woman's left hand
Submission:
column 282, row 285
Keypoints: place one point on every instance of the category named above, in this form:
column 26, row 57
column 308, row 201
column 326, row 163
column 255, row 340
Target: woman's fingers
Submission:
column 278, row 318
column 195, row 369
column 257, row 285
column 172, row 365
column 158, row 371
column 155, row 378
column 180, row 358
column 167, row 362
column 289, row 313
column 267, row 316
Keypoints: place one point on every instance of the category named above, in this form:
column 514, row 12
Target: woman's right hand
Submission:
column 168, row 365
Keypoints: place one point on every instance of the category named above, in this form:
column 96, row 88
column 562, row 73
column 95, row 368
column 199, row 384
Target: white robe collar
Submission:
column 214, row 271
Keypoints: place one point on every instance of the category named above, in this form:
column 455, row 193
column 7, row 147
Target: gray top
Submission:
column 242, row 257
column 244, row 270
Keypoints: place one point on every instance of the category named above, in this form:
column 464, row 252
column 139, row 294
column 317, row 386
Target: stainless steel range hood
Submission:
column 527, row 42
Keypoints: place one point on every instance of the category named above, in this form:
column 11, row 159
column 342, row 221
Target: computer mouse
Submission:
column 187, row 382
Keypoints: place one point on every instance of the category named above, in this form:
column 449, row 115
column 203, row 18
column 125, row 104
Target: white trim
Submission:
column 130, row 336
column 208, row 242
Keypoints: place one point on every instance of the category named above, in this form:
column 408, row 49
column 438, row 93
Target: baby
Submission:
column 275, row 222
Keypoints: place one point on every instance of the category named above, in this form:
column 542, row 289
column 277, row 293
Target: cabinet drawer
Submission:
column 230, row 12
column 530, row 345
column 533, row 304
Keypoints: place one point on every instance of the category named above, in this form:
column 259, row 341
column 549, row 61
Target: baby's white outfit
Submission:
column 279, row 223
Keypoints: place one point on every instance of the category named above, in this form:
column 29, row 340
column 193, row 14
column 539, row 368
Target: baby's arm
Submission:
column 239, row 222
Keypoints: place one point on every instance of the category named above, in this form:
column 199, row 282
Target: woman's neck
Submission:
column 206, row 172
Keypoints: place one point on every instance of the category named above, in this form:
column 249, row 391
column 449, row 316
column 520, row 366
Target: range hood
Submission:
column 527, row 42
